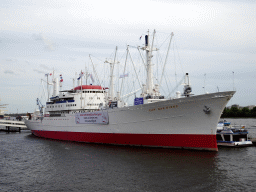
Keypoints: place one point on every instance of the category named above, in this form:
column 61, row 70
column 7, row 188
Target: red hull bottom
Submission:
column 191, row 141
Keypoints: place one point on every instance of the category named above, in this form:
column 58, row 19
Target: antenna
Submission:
column 204, row 82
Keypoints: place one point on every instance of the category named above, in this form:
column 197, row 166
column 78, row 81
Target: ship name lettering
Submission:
column 161, row 108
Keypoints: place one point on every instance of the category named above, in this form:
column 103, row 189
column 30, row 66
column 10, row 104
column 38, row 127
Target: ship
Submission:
column 94, row 114
column 2, row 111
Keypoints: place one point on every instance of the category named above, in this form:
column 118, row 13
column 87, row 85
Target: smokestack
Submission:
column 146, row 40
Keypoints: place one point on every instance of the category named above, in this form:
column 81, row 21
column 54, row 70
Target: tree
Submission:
column 245, row 112
column 225, row 113
column 253, row 112
column 234, row 112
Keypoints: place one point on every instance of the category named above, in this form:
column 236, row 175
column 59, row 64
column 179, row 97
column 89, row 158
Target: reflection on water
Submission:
column 30, row 163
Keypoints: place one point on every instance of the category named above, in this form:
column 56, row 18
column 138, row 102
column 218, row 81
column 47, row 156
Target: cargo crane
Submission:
column 40, row 106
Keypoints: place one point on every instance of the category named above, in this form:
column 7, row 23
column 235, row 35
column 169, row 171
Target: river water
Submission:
column 29, row 163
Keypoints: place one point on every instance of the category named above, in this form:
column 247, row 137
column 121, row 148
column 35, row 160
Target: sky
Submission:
column 214, row 41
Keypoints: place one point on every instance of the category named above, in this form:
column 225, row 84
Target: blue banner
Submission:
column 138, row 101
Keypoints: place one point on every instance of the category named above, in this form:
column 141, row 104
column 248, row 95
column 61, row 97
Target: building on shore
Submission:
column 250, row 107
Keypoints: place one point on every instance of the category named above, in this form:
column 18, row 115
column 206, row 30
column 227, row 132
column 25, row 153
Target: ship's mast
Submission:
column 149, row 65
column 48, row 97
column 149, row 82
column 111, row 88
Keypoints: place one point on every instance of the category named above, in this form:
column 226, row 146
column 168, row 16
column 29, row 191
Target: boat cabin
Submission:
column 85, row 97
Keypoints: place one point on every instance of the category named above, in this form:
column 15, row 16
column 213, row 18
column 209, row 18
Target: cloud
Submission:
column 45, row 67
column 37, row 37
column 38, row 71
column 213, row 36
column 49, row 45
column 10, row 60
column 9, row 72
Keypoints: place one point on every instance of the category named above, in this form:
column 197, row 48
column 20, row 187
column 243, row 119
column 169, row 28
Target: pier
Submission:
column 12, row 126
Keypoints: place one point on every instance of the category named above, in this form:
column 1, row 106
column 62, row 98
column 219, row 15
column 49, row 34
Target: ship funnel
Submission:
column 146, row 40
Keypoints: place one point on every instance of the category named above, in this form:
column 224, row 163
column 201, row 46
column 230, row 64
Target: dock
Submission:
column 12, row 126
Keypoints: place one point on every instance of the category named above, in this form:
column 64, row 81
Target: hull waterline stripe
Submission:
column 206, row 142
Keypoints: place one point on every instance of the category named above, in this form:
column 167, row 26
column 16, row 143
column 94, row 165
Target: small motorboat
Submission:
column 230, row 136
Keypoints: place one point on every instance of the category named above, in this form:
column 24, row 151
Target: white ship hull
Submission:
column 180, row 123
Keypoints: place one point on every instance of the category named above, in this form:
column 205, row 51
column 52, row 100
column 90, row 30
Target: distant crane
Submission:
column 38, row 102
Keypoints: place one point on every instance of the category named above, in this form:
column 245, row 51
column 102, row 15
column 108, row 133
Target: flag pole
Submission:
column 233, row 82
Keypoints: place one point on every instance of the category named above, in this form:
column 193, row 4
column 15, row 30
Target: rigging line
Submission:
column 123, row 55
column 97, row 58
column 135, row 69
column 178, row 56
column 95, row 72
column 175, row 72
column 163, row 33
column 129, row 91
column 124, row 69
column 177, row 85
column 167, row 84
column 165, row 40
column 142, row 58
column 166, row 58
column 160, row 59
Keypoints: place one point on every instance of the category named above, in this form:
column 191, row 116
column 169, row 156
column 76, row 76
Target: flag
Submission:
column 48, row 74
column 61, row 79
column 91, row 78
column 123, row 75
column 140, row 37
column 80, row 75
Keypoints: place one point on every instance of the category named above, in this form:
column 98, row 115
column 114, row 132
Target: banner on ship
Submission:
column 97, row 117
